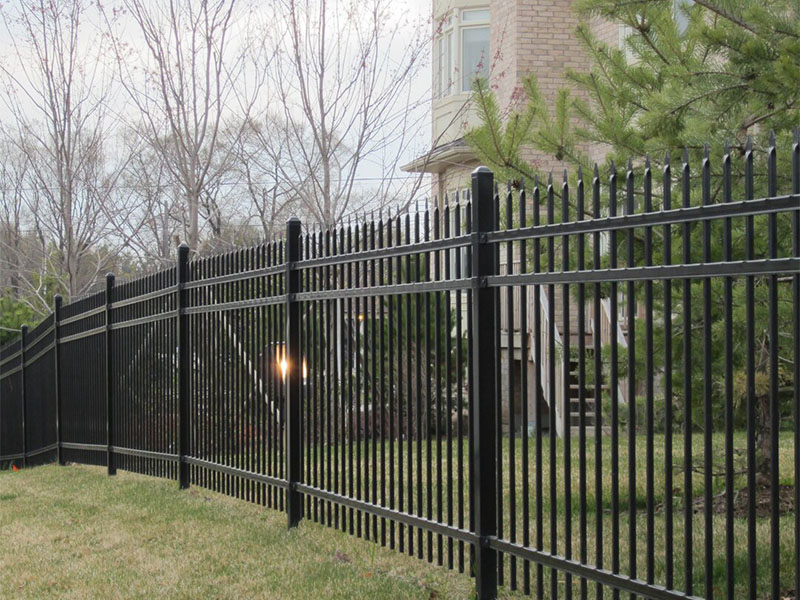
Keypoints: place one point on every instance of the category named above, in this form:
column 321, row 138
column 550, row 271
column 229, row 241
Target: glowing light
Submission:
column 283, row 364
column 280, row 360
column 360, row 317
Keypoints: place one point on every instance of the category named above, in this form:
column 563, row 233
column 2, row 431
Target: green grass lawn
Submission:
column 601, row 511
column 73, row 532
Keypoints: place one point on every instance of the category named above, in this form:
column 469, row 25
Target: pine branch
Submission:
column 756, row 120
column 726, row 15
column 707, row 94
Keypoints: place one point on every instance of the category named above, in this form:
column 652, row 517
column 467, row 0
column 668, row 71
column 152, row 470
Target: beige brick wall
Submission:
column 543, row 42
column 457, row 178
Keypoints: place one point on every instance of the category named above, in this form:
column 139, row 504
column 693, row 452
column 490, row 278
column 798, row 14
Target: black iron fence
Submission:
column 628, row 426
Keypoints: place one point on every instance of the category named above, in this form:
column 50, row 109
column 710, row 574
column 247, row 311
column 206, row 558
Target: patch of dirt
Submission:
column 741, row 502
column 340, row 556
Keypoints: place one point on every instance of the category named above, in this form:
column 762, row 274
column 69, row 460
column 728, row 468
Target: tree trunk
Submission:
column 763, row 414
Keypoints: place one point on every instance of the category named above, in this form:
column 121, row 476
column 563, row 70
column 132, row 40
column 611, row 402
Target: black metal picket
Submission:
column 398, row 379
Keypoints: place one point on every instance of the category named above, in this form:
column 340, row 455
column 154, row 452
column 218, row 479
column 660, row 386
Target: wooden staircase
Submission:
column 567, row 401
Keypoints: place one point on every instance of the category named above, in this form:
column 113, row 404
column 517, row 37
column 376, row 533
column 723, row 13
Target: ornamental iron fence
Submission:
column 582, row 388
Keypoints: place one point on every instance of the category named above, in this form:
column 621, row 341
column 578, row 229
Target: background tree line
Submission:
column 129, row 126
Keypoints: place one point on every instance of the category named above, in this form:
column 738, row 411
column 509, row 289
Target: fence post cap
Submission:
column 109, row 275
column 58, row 298
column 293, row 220
column 183, row 245
column 481, row 171
column 23, row 329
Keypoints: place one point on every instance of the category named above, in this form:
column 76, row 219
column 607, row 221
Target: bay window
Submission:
column 461, row 51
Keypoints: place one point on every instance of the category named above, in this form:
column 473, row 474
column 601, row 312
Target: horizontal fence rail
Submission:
column 583, row 388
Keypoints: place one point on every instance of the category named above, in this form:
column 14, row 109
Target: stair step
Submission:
column 575, row 407
column 576, row 430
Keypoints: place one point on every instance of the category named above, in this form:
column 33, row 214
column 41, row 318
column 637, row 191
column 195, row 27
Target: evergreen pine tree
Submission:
column 689, row 78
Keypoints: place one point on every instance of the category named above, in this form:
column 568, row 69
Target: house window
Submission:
column 474, row 46
column 444, row 60
column 461, row 51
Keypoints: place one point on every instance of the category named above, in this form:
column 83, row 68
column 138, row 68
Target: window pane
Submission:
column 475, row 15
column 448, row 80
column 440, row 69
column 474, row 55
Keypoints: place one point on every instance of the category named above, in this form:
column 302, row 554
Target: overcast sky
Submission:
column 411, row 13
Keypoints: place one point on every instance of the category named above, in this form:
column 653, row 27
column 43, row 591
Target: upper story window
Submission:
column 461, row 51
column 474, row 46
column 444, row 58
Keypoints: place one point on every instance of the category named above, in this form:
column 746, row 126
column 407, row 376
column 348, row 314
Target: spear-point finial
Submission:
column 647, row 161
column 748, row 147
column 771, row 137
column 550, row 178
column 596, row 173
column 727, row 147
column 630, row 163
column 705, row 151
column 565, row 176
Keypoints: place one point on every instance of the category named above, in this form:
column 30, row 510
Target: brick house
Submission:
column 505, row 40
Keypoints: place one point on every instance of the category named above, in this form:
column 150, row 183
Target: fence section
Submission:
column 385, row 372
column 12, row 429
column 582, row 388
column 39, row 381
column 236, row 357
column 82, row 381
column 143, row 393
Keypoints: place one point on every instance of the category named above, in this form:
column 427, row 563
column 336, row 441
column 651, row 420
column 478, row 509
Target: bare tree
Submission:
column 13, row 175
column 57, row 93
column 153, row 218
column 344, row 91
column 195, row 81
column 263, row 170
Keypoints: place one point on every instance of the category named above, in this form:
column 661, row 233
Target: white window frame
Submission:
column 468, row 25
column 448, row 50
column 444, row 58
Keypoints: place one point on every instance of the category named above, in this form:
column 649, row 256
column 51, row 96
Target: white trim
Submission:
column 450, row 39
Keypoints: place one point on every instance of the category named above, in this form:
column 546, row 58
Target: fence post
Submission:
column 183, row 365
column 57, row 368
column 112, row 468
column 484, row 306
column 294, row 502
column 24, row 331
